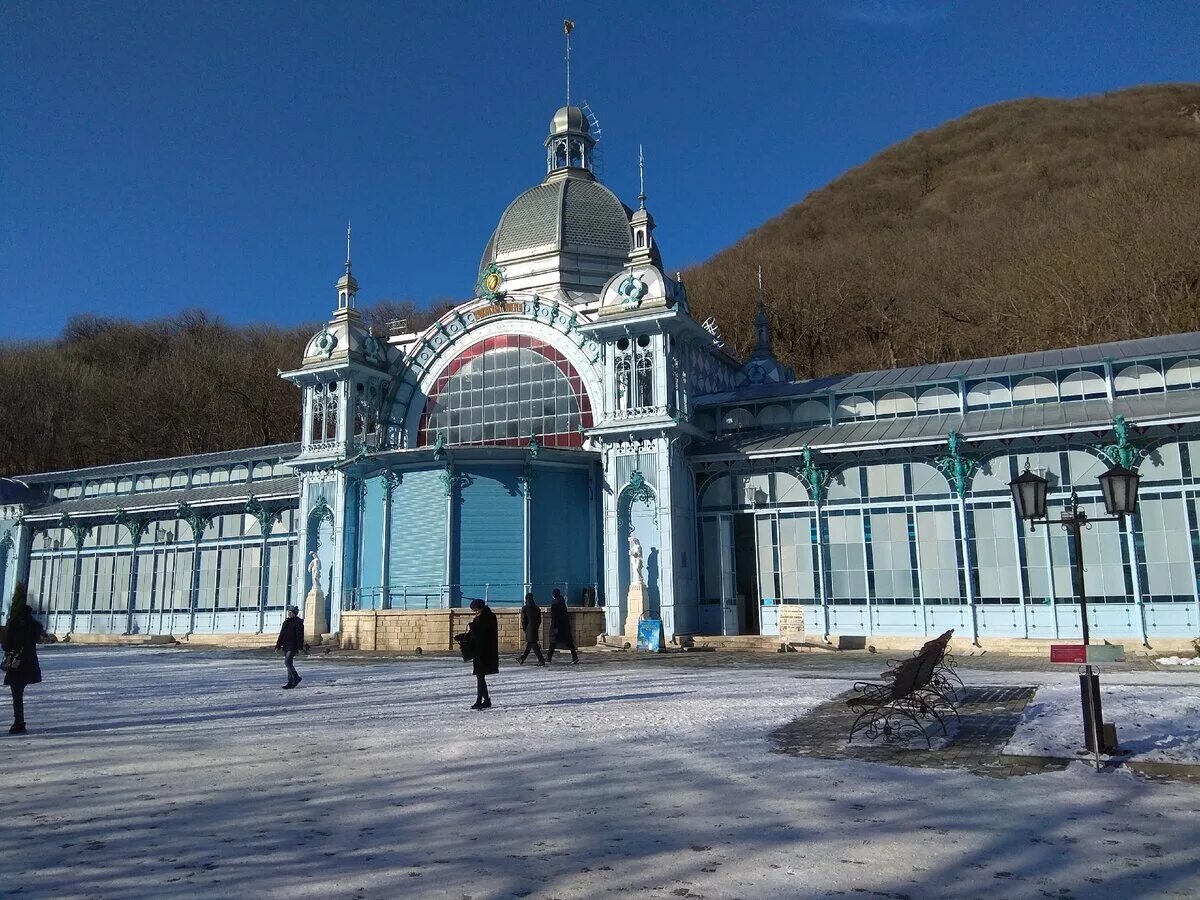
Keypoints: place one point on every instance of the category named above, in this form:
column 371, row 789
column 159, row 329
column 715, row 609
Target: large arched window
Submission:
column 505, row 390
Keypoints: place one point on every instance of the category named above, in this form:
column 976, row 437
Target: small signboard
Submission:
column 649, row 636
column 1068, row 653
column 1087, row 654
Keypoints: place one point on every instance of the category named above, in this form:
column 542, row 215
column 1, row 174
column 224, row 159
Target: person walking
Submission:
column 291, row 642
column 21, row 667
column 560, row 628
column 483, row 638
column 531, row 627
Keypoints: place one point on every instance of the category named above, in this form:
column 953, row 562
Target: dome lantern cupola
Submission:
column 570, row 143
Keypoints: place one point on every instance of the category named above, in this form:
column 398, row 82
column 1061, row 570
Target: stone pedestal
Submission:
column 316, row 623
column 636, row 605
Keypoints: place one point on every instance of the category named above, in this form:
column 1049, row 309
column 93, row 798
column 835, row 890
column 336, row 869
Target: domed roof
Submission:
column 569, row 118
column 571, row 214
column 13, row 491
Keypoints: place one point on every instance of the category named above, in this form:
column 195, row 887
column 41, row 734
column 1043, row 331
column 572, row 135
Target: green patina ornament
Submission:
column 266, row 517
column 391, row 481
column 439, row 446
column 78, row 531
column 631, row 290
column 491, row 279
column 813, row 476
column 956, row 467
column 321, row 510
column 135, row 527
column 1124, row 452
column 639, row 492
column 196, row 520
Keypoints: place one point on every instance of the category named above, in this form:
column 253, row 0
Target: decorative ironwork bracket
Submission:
column 78, row 530
column 195, row 519
column 135, row 527
column 639, row 492
column 266, row 517
column 956, row 467
column 814, row 476
column 528, row 473
column 1124, row 452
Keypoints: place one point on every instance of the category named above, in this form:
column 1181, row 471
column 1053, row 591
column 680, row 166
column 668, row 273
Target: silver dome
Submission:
column 569, row 118
column 562, row 215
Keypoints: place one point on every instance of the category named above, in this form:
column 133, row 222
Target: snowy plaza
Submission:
column 180, row 772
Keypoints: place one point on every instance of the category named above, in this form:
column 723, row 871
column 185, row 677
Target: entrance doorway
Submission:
column 745, row 568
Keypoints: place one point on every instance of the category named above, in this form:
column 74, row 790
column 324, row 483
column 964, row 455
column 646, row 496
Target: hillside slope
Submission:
column 1019, row 227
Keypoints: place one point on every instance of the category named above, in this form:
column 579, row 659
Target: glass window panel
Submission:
column 891, row 557
column 997, row 572
column 848, row 562
column 206, row 597
column 938, row 551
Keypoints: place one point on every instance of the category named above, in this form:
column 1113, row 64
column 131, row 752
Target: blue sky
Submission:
column 163, row 155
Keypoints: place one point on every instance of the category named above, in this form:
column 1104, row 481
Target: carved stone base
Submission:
column 316, row 623
column 635, row 605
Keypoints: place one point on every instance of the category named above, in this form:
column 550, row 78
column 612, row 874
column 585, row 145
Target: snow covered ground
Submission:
column 1155, row 723
column 171, row 773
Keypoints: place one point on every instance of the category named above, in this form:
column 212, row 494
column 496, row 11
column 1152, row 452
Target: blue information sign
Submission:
column 649, row 635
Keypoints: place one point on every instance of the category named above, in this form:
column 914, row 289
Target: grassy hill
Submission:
column 1019, row 227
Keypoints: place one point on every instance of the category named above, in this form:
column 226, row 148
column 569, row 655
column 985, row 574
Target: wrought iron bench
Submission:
column 908, row 699
column 945, row 677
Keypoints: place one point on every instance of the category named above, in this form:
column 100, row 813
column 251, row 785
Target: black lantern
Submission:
column 1120, row 487
column 1029, row 495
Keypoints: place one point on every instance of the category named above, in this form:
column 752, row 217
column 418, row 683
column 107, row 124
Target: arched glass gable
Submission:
column 504, row 390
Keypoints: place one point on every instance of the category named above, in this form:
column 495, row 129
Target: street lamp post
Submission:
column 1119, row 485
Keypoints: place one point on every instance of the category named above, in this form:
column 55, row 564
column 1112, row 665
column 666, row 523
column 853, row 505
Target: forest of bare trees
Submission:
column 1019, row 227
column 110, row 390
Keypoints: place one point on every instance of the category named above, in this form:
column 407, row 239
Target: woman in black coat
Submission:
column 531, row 627
column 21, row 635
column 483, row 637
column 560, row 628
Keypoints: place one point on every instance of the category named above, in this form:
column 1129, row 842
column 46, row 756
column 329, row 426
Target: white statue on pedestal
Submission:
column 636, row 575
column 314, row 570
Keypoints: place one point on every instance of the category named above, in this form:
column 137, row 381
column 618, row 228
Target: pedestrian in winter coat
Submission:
column 21, row 635
column 291, row 642
column 483, row 637
column 560, row 628
column 531, row 627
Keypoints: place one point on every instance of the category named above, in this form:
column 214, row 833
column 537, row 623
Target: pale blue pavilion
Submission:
column 522, row 439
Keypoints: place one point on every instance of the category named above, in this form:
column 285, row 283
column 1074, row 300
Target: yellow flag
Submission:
column 568, row 26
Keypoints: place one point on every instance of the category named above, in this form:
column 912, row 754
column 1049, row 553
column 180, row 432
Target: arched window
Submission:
column 989, row 395
column 1081, row 386
column 645, row 378
column 811, row 411
column 895, row 403
column 1185, row 373
column 641, row 238
column 1138, row 379
column 624, row 369
column 1034, row 388
column 504, row 390
column 736, row 419
column 774, row 416
column 855, row 407
column 938, row 399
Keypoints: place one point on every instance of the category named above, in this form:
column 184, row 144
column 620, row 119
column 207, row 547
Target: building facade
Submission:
column 573, row 409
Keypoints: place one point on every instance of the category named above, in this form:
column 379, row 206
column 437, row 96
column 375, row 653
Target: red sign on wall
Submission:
column 1068, row 653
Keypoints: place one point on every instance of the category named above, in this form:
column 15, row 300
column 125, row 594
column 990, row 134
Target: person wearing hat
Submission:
column 291, row 642
column 483, row 635
column 560, row 628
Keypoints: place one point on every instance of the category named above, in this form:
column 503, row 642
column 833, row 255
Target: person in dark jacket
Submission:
column 291, row 642
column 21, row 635
column 483, row 637
column 531, row 627
column 560, row 628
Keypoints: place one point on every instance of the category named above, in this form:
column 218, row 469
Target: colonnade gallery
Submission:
column 528, row 436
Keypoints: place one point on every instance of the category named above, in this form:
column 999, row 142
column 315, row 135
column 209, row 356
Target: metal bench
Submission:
column 909, row 697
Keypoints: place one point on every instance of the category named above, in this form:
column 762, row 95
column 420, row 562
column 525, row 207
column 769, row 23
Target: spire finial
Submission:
column 641, row 178
column 347, row 247
column 568, row 27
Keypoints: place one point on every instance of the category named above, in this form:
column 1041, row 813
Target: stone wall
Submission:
column 405, row 630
